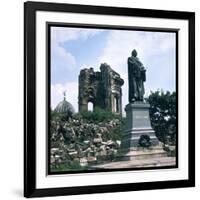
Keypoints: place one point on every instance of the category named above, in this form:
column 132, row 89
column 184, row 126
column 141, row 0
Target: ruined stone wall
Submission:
column 102, row 88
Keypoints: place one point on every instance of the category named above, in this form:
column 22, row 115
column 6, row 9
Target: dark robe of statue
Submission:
column 136, row 77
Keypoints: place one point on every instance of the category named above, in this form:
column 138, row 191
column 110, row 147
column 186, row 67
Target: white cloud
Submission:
column 63, row 34
column 153, row 50
column 151, row 47
column 60, row 58
column 71, row 90
column 148, row 44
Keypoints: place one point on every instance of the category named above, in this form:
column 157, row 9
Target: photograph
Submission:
column 112, row 98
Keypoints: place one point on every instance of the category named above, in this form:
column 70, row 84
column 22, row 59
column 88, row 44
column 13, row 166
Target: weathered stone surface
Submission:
column 97, row 140
column 102, row 88
column 144, row 154
column 152, row 162
column 83, row 161
column 82, row 141
column 137, row 124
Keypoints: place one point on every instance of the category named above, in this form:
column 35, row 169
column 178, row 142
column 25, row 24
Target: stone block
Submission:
column 137, row 124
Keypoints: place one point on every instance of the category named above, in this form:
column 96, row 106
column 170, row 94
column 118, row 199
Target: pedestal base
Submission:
column 143, row 153
column 137, row 124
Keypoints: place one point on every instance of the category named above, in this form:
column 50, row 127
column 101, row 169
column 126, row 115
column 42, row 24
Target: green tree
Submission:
column 98, row 115
column 163, row 115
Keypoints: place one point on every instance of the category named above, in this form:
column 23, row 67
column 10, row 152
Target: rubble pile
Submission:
column 84, row 142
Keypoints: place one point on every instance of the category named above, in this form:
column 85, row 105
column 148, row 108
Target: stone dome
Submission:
column 65, row 107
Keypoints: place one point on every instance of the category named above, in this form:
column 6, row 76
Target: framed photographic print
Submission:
column 109, row 99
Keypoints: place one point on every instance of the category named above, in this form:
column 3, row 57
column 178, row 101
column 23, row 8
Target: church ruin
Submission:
column 101, row 88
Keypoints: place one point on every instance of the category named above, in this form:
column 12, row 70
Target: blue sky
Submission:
column 73, row 49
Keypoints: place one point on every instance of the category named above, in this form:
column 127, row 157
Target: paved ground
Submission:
column 154, row 162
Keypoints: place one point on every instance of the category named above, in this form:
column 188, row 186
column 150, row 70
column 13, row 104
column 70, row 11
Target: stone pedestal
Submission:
column 138, row 124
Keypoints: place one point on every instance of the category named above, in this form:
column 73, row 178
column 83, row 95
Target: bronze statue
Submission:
column 136, row 78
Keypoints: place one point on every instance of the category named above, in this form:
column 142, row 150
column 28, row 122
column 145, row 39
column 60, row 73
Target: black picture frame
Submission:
column 30, row 9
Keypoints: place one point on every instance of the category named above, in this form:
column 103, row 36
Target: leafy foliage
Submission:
column 85, row 135
column 59, row 116
column 97, row 115
column 71, row 166
column 163, row 115
column 144, row 141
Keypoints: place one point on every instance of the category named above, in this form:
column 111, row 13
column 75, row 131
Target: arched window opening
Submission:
column 90, row 106
column 116, row 104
